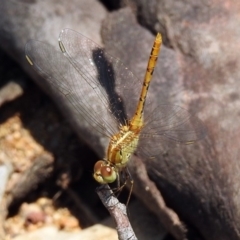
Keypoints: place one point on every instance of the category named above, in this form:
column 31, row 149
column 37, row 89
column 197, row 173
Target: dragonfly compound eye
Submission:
column 104, row 173
column 109, row 174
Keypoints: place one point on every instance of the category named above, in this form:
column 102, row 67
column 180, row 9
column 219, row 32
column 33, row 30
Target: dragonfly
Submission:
column 81, row 69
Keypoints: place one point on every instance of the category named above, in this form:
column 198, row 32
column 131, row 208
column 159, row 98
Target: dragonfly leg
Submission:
column 127, row 178
column 131, row 187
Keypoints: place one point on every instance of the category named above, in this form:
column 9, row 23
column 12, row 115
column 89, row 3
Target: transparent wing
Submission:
column 70, row 84
column 121, row 87
column 167, row 126
column 84, row 75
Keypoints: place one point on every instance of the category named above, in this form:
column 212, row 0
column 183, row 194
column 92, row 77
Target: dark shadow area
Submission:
column 111, row 5
column 10, row 71
column 106, row 77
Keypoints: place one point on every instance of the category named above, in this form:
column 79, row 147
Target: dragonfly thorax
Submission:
column 121, row 147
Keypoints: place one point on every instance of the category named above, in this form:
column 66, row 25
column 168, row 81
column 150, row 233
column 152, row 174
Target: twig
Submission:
column 118, row 211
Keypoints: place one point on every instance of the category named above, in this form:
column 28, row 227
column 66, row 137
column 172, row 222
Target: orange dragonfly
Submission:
column 136, row 123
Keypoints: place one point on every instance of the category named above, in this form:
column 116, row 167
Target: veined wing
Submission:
column 69, row 84
column 122, row 88
column 167, row 126
column 84, row 75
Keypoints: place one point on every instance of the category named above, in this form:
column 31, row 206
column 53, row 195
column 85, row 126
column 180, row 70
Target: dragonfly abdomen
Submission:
column 138, row 116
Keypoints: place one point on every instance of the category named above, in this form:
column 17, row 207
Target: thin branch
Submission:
column 118, row 211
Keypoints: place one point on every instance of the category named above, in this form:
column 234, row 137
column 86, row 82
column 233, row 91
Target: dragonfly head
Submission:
column 104, row 173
